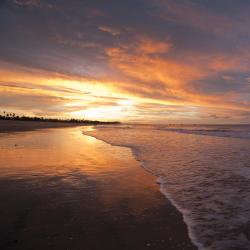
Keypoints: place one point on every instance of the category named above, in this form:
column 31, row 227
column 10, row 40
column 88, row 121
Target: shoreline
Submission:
column 135, row 215
column 158, row 182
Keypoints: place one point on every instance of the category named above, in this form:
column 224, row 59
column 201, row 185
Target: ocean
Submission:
column 204, row 170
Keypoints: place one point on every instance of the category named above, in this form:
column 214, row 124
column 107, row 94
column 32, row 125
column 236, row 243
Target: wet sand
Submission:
column 60, row 189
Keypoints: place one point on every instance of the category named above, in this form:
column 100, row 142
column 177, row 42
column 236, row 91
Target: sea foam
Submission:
column 207, row 178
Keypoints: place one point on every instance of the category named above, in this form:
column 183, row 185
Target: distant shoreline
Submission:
column 9, row 126
column 14, row 117
column 10, row 122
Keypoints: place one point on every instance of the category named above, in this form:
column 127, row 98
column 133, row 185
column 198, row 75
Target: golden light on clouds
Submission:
column 164, row 62
column 67, row 96
column 80, row 98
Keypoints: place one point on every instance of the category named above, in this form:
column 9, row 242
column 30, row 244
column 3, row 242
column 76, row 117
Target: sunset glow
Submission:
column 139, row 61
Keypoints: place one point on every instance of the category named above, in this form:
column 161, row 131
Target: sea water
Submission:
column 203, row 170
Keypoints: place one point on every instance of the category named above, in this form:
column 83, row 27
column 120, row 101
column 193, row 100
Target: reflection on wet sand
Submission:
column 60, row 189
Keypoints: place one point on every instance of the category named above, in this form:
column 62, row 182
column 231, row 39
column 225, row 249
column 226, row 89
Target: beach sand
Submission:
column 60, row 189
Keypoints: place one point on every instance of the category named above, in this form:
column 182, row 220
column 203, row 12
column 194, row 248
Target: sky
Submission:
column 149, row 61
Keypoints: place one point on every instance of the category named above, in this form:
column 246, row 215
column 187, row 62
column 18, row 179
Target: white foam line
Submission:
column 161, row 184
column 222, row 134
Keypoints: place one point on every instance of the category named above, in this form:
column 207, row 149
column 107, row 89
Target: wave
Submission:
column 120, row 126
column 206, row 178
column 242, row 132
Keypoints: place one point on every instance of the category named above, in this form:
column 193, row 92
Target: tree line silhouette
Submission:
column 13, row 116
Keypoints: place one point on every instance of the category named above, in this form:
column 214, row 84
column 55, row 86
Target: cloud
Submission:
column 173, row 60
column 199, row 16
column 200, row 80
column 23, row 102
column 111, row 30
column 33, row 4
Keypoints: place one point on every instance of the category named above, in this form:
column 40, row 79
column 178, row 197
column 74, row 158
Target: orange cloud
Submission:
column 149, row 46
column 159, row 86
column 171, row 80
